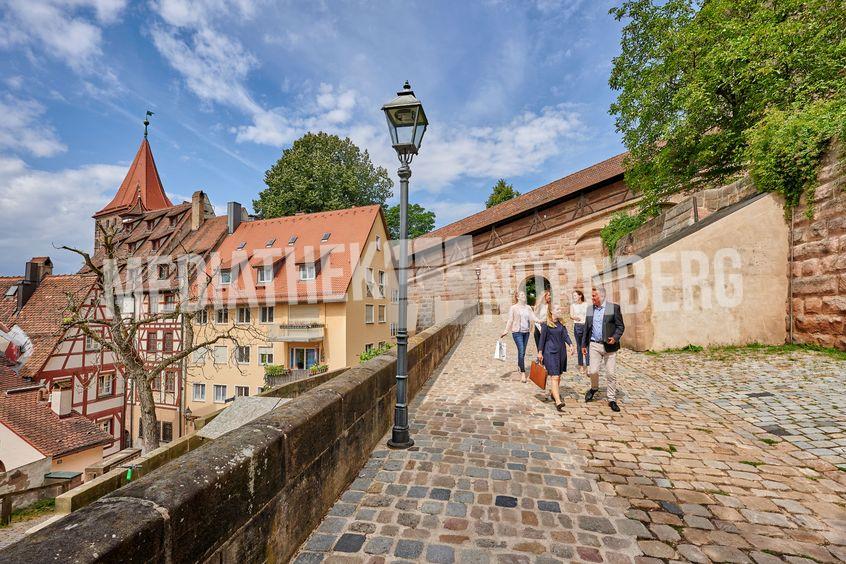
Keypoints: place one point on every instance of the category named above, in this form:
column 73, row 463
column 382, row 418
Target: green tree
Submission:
column 322, row 172
column 711, row 88
column 502, row 192
column 420, row 220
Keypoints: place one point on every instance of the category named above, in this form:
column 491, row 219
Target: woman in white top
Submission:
column 520, row 320
column 541, row 309
column 578, row 312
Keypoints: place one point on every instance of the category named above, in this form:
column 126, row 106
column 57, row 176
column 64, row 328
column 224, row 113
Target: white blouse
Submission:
column 578, row 312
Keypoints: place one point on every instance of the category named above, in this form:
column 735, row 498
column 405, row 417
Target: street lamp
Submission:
column 406, row 123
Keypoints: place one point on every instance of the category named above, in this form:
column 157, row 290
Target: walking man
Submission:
column 603, row 329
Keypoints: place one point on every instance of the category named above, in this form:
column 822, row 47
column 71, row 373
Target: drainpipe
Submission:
column 790, row 278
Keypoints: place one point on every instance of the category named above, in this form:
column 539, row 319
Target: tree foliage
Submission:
column 502, row 192
column 711, row 88
column 420, row 221
column 620, row 225
column 322, row 172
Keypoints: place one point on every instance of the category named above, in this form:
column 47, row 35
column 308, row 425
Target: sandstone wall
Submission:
column 256, row 493
column 819, row 261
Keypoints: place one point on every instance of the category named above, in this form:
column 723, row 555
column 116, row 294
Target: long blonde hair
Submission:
column 550, row 317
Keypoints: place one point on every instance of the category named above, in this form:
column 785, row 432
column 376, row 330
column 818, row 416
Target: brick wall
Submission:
column 819, row 261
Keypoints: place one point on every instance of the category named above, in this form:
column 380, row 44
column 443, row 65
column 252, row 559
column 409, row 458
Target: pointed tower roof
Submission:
column 142, row 186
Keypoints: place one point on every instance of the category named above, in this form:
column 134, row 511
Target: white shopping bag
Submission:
column 499, row 350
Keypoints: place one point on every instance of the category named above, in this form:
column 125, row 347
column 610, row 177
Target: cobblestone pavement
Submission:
column 17, row 530
column 687, row 472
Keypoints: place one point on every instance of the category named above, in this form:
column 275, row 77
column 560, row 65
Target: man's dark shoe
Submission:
column 589, row 395
column 614, row 407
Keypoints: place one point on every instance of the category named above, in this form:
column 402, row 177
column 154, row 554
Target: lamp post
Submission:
column 406, row 123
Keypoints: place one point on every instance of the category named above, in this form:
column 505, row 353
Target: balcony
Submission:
column 296, row 332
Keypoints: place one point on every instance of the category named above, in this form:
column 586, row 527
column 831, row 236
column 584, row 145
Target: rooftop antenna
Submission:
column 147, row 122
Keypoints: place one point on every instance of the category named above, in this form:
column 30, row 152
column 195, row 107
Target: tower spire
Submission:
column 147, row 122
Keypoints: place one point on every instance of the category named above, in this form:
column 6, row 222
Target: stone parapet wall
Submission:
column 819, row 261
column 256, row 493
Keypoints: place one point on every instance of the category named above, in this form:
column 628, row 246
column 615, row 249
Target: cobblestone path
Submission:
column 687, row 472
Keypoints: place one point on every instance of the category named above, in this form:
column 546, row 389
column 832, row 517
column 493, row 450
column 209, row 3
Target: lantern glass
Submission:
column 406, row 121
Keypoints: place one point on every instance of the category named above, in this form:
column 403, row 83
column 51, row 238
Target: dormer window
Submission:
column 308, row 271
column 156, row 244
column 378, row 243
column 241, row 245
column 173, row 220
column 164, row 271
column 325, row 237
column 226, row 276
column 264, row 274
column 150, row 224
column 292, row 240
column 11, row 291
column 270, row 243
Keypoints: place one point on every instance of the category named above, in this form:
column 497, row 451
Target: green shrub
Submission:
column 374, row 352
column 620, row 225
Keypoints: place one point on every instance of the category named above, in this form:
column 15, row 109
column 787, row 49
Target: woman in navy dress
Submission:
column 552, row 353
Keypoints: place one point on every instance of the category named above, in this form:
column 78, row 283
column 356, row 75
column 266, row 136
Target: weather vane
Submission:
column 147, row 122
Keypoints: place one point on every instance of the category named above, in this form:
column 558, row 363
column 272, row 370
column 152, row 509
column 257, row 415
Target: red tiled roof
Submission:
column 142, row 183
column 546, row 194
column 8, row 304
column 42, row 315
column 36, row 423
column 348, row 230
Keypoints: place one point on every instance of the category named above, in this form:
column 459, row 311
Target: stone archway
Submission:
column 534, row 286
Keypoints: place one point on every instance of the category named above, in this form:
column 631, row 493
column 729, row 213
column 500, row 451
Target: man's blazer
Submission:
column 612, row 326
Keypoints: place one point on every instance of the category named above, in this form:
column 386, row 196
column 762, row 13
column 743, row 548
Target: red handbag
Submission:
column 538, row 375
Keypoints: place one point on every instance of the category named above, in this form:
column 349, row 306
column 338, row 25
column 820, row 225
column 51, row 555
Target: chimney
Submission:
column 32, row 277
column 198, row 215
column 45, row 265
column 61, row 399
column 234, row 215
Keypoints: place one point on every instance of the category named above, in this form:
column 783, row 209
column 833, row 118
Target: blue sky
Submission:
column 512, row 89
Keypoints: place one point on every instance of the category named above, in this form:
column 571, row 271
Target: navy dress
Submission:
column 552, row 341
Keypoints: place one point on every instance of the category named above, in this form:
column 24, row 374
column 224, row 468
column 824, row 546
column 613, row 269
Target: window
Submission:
column 265, row 355
column 170, row 382
column 127, row 305
column 381, row 314
column 266, row 314
column 368, row 313
column 378, row 243
column 199, row 356
column 302, row 358
column 325, row 237
column 307, row 271
column 156, row 244
column 202, row 317
column 173, row 220
column 150, row 224
column 104, row 384
column 11, row 291
column 393, row 329
column 167, row 431
column 219, row 393
column 244, row 355
column 169, row 302
column 225, row 276
column 132, row 247
column 395, row 296
column 199, row 392
column 152, row 341
column 241, row 245
column 292, row 240
column 105, row 425
column 163, row 271
column 242, row 391
column 156, row 383
column 167, row 341
column 270, row 243
column 368, row 279
column 382, row 344
column 222, row 316
column 243, row 315
column 264, row 274
column 368, row 347
column 91, row 344
column 382, row 284
column 219, row 355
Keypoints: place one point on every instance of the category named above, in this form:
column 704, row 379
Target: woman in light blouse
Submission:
column 578, row 312
column 541, row 309
column 520, row 320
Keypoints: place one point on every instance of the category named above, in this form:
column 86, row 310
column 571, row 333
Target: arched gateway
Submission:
column 548, row 234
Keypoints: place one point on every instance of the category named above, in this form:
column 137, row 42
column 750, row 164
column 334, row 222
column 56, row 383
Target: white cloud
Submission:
column 448, row 212
column 60, row 28
column 39, row 209
column 21, row 131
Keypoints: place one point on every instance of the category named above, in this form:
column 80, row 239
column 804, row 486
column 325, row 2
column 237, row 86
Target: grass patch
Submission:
column 724, row 351
column 770, row 442
column 754, row 463
column 702, row 429
column 34, row 511
column 669, row 448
